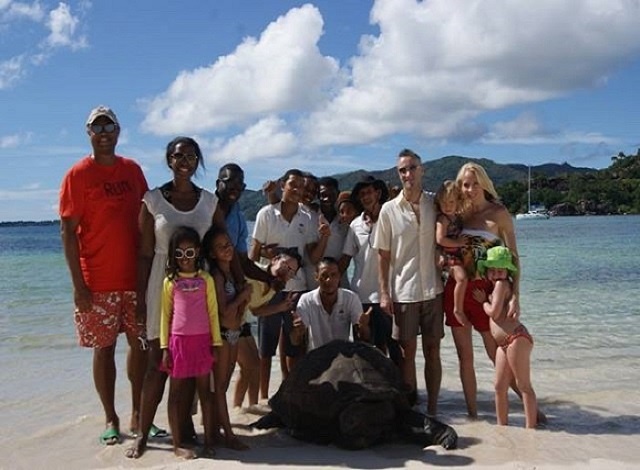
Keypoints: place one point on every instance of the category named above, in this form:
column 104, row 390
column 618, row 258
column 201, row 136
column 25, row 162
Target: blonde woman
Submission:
column 486, row 223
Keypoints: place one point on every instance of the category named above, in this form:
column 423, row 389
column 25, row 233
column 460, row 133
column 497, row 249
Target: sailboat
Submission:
column 532, row 212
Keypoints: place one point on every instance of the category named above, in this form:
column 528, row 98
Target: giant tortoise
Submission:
column 351, row 395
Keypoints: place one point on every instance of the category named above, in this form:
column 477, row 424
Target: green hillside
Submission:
column 511, row 177
column 563, row 189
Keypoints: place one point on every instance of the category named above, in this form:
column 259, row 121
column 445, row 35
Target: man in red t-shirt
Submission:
column 100, row 200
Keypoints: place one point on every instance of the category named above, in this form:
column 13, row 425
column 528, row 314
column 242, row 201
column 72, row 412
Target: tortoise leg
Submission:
column 268, row 421
column 427, row 431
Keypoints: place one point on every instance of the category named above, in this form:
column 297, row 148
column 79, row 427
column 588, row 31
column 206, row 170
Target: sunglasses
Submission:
column 407, row 169
column 190, row 158
column 100, row 128
column 189, row 253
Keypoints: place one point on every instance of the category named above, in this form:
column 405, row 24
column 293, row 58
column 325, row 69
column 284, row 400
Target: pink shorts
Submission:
column 111, row 313
column 472, row 309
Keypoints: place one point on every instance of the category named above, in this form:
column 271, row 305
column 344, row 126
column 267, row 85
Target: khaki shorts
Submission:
column 425, row 318
column 111, row 313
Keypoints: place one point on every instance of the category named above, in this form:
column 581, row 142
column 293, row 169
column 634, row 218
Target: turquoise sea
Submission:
column 580, row 299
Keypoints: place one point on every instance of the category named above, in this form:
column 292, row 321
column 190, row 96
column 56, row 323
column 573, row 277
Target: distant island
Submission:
column 29, row 223
column 563, row 189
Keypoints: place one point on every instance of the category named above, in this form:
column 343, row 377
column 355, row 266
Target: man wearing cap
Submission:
column 100, row 199
column 409, row 278
column 369, row 193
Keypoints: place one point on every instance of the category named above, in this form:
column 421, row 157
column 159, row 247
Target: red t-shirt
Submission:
column 106, row 200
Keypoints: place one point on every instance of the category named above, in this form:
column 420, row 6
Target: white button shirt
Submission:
column 414, row 274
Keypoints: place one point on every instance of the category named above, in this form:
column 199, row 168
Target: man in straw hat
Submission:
column 369, row 193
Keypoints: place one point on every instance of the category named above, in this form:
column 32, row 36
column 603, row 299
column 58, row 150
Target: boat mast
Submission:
column 529, row 191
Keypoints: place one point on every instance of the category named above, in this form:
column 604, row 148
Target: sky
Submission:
column 327, row 87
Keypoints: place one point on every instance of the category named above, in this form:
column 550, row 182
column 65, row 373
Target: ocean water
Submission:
column 579, row 297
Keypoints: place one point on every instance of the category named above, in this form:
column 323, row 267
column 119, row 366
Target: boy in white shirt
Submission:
column 329, row 312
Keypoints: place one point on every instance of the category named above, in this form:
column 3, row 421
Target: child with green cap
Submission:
column 514, row 341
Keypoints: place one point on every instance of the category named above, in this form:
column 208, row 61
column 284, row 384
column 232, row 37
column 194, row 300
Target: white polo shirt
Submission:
column 359, row 246
column 414, row 274
column 324, row 327
column 272, row 227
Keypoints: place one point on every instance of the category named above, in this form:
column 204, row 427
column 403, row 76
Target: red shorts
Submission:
column 111, row 313
column 472, row 309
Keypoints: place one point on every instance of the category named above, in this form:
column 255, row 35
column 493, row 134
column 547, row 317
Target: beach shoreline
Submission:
column 72, row 443
column 578, row 300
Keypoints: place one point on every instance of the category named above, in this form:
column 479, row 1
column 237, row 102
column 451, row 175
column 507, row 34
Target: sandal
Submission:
column 155, row 431
column 110, row 436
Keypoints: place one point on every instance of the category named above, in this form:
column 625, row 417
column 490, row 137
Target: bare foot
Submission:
column 183, row 453
column 232, row 442
column 137, row 449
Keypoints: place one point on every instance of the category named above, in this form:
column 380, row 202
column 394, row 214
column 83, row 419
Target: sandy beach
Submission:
column 602, row 441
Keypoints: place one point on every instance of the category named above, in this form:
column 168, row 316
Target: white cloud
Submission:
column 63, row 27
column 281, row 71
column 31, row 194
column 434, row 68
column 62, row 31
column 31, row 203
column 11, row 71
column 438, row 64
column 524, row 125
column 267, row 138
column 14, row 140
column 19, row 10
column 526, row 129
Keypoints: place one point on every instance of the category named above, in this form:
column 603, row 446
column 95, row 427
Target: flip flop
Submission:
column 155, row 431
column 110, row 436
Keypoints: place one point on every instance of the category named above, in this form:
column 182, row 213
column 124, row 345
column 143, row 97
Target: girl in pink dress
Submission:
column 189, row 331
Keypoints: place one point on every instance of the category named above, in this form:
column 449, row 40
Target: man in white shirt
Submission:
column 329, row 312
column 283, row 225
column 370, row 193
column 409, row 278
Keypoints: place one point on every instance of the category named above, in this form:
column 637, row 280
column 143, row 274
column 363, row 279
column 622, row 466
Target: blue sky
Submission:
column 329, row 86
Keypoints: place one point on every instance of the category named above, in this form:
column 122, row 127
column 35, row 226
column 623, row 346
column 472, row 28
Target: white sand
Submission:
column 74, row 445
column 481, row 444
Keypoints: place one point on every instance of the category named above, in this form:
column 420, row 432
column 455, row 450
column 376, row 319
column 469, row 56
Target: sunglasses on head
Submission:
column 100, row 128
column 189, row 253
